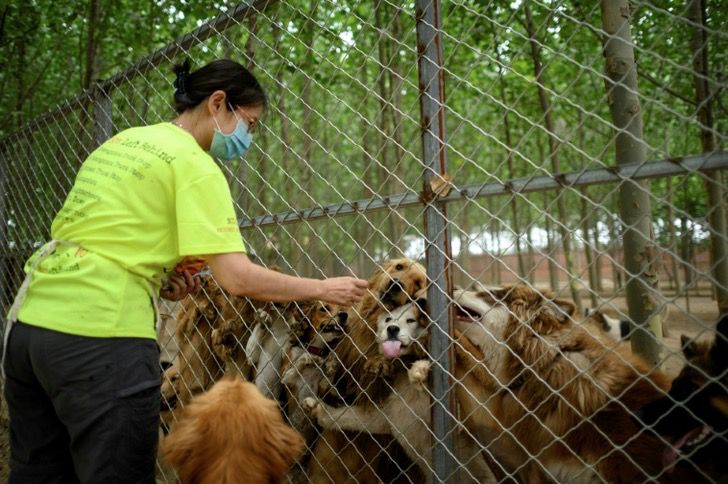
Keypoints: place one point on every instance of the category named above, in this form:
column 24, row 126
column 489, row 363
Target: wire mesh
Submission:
column 549, row 370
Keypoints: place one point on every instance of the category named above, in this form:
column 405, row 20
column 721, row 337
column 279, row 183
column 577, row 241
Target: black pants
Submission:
column 81, row 409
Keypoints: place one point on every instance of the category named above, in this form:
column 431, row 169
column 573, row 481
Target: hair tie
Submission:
column 182, row 74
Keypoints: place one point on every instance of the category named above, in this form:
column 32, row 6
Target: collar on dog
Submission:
column 315, row 350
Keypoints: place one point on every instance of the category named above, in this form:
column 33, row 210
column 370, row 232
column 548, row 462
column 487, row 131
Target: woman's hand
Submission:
column 178, row 286
column 344, row 291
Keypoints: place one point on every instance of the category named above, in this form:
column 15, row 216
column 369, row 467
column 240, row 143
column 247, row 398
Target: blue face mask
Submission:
column 228, row 147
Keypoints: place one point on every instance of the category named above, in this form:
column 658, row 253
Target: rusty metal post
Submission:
column 434, row 160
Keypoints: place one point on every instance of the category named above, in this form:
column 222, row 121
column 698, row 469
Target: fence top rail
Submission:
column 183, row 43
column 580, row 178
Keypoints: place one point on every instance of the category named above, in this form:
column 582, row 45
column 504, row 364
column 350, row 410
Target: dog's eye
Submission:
column 388, row 319
column 411, row 321
column 322, row 309
column 399, row 267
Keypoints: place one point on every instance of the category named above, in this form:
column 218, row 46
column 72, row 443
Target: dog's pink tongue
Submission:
column 391, row 348
column 670, row 454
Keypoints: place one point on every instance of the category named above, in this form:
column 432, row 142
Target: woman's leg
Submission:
column 39, row 442
column 105, row 391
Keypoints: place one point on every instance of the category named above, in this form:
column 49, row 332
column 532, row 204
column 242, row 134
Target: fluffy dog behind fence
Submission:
column 549, row 400
column 357, row 371
column 232, row 434
column 693, row 417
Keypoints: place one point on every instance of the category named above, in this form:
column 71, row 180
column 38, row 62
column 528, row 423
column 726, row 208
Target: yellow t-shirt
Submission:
column 143, row 200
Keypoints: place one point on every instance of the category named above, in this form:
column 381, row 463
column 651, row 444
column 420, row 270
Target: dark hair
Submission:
column 240, row 86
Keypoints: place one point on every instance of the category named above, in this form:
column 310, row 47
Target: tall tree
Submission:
column 714, row 183
column 543, row 98
column 639, row 248
column 509, row 160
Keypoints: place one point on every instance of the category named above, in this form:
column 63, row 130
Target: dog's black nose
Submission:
column 392, row 332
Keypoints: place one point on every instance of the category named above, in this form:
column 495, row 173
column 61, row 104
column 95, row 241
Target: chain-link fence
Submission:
column 479, row 138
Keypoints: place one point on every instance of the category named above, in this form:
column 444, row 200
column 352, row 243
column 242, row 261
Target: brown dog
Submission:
column 550, row 401
column 211, row 331
column 356, row 370
column 232, row 434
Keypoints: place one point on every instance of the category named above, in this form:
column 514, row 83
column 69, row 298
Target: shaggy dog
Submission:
column 547, row 399
column 211, row 330
column 231, row 434
column 302, row 370
column 357, row 371
column 324, row 325
column 405, row 413
column 268, row 344
column 693, row 417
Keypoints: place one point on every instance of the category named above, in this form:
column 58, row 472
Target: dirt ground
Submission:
column 698, row 322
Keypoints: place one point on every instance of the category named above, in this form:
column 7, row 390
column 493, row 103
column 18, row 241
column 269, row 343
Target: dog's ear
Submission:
column 494, row 295
column 690, row 347
column 562, row 309
column 598, row 317
column 421, row 303
column 719, row 351
column 720, row 403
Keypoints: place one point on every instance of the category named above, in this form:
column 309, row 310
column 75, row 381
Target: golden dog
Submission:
column 231, row 434
column 211, row 330
column 357, row 371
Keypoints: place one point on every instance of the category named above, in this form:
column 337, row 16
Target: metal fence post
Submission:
column 103, row 122
column 434, row 159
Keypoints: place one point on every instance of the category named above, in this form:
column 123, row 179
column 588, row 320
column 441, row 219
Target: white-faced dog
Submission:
column 400, row 329
column 405, row 413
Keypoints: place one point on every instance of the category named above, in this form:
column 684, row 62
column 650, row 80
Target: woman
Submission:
column 81, row 362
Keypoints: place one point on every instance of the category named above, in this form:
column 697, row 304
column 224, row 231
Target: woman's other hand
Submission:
column 344, row 291
column 178, row 286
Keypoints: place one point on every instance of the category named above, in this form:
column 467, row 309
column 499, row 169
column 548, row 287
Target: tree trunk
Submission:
column 551, row 254
column 398, row 226
column 307, row 123
column 594, row 223
column 591, row 255
column 614, row 246
column 714, row 181
column 531, row 266
column 495, row 252
column 672, row 241
column 639, row 249
column 465, row 245
column 590, row 265
column 91, row 72
column 685, row 252
column 385, row 180
column 366, row 237
column 554, row 156
column 251, row 41
column 511, row 169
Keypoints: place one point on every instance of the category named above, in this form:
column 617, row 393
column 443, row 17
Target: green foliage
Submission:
column 344, row 116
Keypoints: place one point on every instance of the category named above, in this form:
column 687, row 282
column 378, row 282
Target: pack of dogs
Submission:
column 310, row 392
